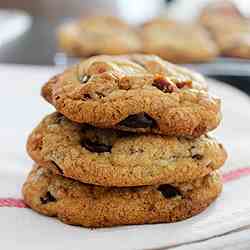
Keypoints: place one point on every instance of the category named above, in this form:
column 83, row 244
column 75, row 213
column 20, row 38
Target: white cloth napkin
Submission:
column 21, row 108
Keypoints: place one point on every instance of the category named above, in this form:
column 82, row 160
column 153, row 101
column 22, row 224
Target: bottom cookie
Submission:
column 94, row 206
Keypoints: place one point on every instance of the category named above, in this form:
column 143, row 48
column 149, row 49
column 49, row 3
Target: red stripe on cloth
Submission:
column 227, row 177
column 235, row 174
column 11, row 202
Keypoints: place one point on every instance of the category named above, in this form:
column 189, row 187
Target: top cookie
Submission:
column 136, row 93
column 178, row 42
column 98, row 35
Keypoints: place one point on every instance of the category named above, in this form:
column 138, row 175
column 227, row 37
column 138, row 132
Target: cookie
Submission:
column 229, row 28
column 108, row 157
column 76, row 203
column 217, row 8
column 234, row 40
column 236, row 45
column 178, row 42
column 98, row 35
column 136, row 93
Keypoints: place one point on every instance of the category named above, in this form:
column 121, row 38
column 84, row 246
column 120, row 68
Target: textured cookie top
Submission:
column 93, row 206
column 98, row 35
column 178, row 42
column 137, row 93
column 114, row 158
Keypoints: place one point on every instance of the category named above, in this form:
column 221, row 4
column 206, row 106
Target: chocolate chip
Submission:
column 96, row 147
column 168, row 191
column 84, row 78
column 124, row 134
column 86, row 96
column 99, row 94
column 197, row 157
column 47, row 198
column 135, row 150
column 141, row 120
column 59, row 118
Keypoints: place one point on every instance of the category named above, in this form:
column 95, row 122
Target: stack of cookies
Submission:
column 127, row 145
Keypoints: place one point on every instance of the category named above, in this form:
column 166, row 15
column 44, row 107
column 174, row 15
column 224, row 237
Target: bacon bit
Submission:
column 182, row 84
column 102, row 70
column 124, row 83
column 164, row 84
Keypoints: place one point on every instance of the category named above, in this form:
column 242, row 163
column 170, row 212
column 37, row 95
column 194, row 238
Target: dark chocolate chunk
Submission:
column 141, row 120
column 59, row 118
column 197, row 157
column 168, row 191
column 96, row 147
column 47, row 198
column 86, row 97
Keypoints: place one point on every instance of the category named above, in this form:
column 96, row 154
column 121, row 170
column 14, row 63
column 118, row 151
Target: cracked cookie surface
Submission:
column 138, row 93
column 177, row 42
column 98, row 35
column 109, row 157
column 93, row 206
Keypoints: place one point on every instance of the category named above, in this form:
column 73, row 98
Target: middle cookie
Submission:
column 114, row 158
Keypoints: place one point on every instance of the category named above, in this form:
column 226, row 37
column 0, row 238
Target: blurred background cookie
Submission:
column 229, row 28
column 98, row 35
column 178, row 41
